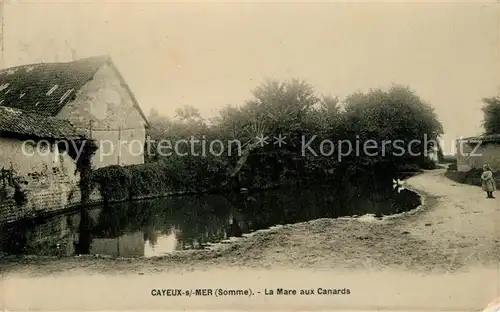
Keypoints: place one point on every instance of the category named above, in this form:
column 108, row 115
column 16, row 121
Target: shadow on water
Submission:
column 161, row 226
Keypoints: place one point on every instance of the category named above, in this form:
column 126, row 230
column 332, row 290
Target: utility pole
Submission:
column 119, row 145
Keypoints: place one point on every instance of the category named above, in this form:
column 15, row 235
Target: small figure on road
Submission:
column 488, row 183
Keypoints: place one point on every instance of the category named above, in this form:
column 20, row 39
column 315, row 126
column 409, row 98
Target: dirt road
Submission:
column 456, row 231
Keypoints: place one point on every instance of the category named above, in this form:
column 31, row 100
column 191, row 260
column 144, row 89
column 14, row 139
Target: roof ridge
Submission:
column 104, row 57
column 46, row 87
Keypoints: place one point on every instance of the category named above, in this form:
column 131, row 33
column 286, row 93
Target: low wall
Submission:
column 44, row 192
column 58, row 194
column 32, row 183
column 40, row 201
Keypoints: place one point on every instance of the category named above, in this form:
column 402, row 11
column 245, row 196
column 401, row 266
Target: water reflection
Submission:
column 163, row 244
column 161, row 226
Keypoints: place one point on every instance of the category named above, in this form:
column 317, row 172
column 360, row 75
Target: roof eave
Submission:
column 21, row 136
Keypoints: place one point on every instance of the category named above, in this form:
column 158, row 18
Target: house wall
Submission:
column 105, row 105
column 50, row 180
column 468, row 157
column 28, row 157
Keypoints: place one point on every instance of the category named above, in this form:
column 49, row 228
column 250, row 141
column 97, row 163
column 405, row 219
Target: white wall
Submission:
column 106, row 104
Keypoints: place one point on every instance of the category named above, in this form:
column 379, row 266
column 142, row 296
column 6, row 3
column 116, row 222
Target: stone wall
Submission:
column 46, row 176
column 44, row 201
column 105, row 106
column 469, row 157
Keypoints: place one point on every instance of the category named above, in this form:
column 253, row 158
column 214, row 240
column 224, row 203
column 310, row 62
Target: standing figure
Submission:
column 488, row 183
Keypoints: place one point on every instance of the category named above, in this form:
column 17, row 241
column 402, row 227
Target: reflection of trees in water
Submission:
column 151, row 236
column 405, row 201
column 197, row 220
column 85, row 229
column 113, row 221
column 290, row 205
column 14, row 239
column 48, row 237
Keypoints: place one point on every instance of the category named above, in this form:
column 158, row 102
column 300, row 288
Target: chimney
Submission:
column 73, row 54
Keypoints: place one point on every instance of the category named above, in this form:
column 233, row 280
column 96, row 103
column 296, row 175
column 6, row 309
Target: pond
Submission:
column 161, row 226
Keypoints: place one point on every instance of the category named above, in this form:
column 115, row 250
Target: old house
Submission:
column 474, row 152
column 89, row 93
column 35, row 161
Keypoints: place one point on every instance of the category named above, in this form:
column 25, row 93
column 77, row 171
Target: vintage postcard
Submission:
column 249, row 156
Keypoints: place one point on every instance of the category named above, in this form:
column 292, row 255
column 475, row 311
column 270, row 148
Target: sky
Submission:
column 210, row 54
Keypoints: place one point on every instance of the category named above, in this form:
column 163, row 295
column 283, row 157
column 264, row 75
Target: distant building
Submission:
column 433, row 154
column 89, row 93
column 474, row 152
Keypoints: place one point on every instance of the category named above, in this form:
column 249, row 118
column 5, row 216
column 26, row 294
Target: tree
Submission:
column 187, row 112
column 283, row 108
column 397, row 115
column 295, row 111
column 491, row 110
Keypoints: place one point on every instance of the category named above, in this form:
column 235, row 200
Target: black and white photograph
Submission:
column 249, row 155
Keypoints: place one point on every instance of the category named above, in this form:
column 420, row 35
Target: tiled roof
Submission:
column 45, row 88
column 491, row 138
column 15, row 121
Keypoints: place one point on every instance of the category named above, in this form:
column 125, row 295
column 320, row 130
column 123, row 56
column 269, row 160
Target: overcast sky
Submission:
column 212, row 54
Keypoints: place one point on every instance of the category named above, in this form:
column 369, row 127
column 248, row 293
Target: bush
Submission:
column 427, row 164
column 113, row 182
column 118, row 183
column 450, row 159
column 154, row 179
column 452, row 166
column 410, row 168
column 471, row 177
